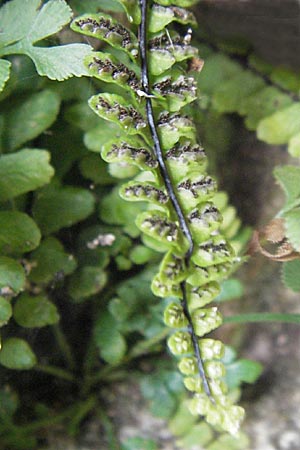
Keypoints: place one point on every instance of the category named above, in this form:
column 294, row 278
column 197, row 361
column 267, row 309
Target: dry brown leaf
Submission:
column 273, row 233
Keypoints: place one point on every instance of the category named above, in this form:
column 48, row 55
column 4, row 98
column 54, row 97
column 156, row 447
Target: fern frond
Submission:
column 161, row 140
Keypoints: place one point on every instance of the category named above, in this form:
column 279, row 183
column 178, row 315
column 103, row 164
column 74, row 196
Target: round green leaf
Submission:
column 57, row 208
column 36, row 311
column 292, row 221
column 291, row 274
column 294, row 145
column 17, row 354
column 94, row 168
column 281, row 126
column 109, row 340
column 49, row 260
column 29, row 119
column 18, row 232
column 87, row 282
column 12, row 276
column 5, row 311
column 23, row 172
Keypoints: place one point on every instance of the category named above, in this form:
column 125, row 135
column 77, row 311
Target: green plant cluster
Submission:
column 268, row 99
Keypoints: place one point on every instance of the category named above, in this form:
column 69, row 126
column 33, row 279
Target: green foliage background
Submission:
column 75, row 274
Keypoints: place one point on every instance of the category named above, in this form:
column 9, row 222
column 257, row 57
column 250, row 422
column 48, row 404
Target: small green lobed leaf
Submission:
column 105, row 28
column 109, row 340
column 79, row 114
column 108, row 68
column 206, row 320
column 136, row 191
column 289, row 178
column 61, row 62
column 23, row 172
column 96, row 138
column 291, row 274
column 294, row 145
column 174, row 92
column 194, row 190
column 5, row 311
column 130, row 151
column 87, row 281
column 180, row 343
column 214, row 251
column 114, row 210
column 227, row 442
column 201, row 296
column 18, row 232
column 4, row 72
column 35, row 311
column 167, row 48
column 160, row 61
column 161, row 16
column 17, row 354
column 174, row 316
column 157, row 225
column 182, row 421
column 133, row 12
column 230, row 289
column 172, row 269
column 94, row 168
column 184, row 159
column 286, row 78
column 122, row 170
column 172, row 127
column 114, row 108
column 242, row 370
column 49, row 261
column 203, row 220
column 49, row 19
column 199, row 434
column 73, row 204
column 228, row 95
column 12, row 276
column 217, row 68
column 13, row 30
column 202, row 275
column 281, row 126
column 141, row 254
column 262, row 104
column 30, row 118
column 292, row 221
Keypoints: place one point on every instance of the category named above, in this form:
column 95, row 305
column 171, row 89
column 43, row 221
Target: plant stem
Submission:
column 112, row 441
column 83, row 409
column 47, row 422
column 140, row 349
column 263, row 317
column 56, row 372
column 64, row 346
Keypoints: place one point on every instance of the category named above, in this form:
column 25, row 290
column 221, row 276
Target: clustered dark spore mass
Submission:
column 118, row 71
column 198, row 188
column 107, row 27
column 127, row 150
column 147, row 191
